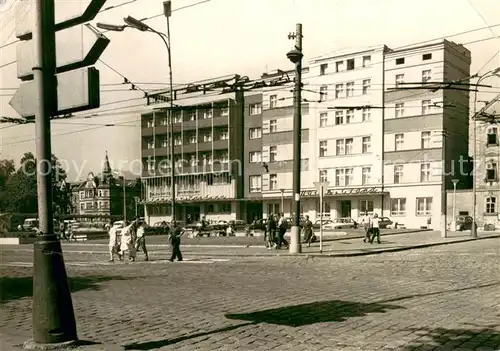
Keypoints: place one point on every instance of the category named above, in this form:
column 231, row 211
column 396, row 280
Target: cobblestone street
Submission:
column 442, row 298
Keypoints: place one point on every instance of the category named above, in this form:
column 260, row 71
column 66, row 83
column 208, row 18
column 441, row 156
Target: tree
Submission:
column 7, row 168
column 21, row 187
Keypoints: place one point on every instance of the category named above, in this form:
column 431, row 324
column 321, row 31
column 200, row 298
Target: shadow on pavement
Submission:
column 152, row 345
column 315, row 312
column 13, row 288
column 486, row 338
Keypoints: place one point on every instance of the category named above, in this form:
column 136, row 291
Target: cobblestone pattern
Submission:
column 443, row 298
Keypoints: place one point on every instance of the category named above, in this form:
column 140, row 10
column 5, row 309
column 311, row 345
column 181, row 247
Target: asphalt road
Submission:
column 442, row 298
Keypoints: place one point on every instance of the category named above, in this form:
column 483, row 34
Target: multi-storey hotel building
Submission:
column 379, row 148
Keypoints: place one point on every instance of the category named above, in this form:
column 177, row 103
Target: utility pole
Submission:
column 168, row 11
column 444, row 225
column 124, row 199
column 53, row 315
column 295, row 56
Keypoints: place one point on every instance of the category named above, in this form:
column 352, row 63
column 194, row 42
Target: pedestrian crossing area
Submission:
column 106, row 263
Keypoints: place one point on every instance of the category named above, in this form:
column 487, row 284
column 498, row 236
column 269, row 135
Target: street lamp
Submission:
column 295, row 56
column 473, row 229
column 124, row 198
column 454, row 222
column 282, row 200
column 143, row 27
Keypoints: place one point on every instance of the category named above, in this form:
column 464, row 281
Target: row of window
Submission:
column 423, row 206
column 204, row 159
column 349, row 91
column 345, row 146
column 345, row 176
column 87, row 194
column 190, row 138
column 345, row 117
column 190, row 116
column 425, row 141
column 94, row 206
column 344, row 65
column 400, row 78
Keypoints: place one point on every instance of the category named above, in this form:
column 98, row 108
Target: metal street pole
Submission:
column 454, row 221
column 296, row 57
column 444, row 225
column 124, row 200
column 53, row 314
column 321, row 219
column 282, row 200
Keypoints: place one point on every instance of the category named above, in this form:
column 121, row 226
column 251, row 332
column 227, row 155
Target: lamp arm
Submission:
column 163, row 37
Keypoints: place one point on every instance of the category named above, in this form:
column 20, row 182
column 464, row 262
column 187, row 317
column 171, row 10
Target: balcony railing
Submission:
column 201, row 191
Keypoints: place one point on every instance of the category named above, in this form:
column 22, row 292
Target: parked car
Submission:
column 464, row 223
column 317, row 224
column 384, row 222
column 340, row 223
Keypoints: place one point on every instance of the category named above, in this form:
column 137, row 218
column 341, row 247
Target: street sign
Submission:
column 24, row 21
column 76, row 54
column 77, row 90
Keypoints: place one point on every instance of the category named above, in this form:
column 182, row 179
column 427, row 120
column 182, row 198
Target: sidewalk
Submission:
column 347, row 247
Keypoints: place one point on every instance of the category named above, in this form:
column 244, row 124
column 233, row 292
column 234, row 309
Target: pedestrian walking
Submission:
column 366, row 223
column 282, row 228
column 64, row 228
column 271, row 231
column 308, row 231
column 140, row 244
column 375, row 229
column 127, row 241
column 113, row 244
column 175, row 241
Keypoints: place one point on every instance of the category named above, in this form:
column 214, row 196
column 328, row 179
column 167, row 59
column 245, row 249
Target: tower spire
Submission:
column 106, row 169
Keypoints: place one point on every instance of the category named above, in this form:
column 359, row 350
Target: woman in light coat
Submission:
column 127, row 241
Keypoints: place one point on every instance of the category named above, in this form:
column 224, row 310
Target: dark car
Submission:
column 384, row 222
column 464, row 223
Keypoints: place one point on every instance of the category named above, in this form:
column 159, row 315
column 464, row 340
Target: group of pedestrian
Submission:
column 371, row 225
column 275, row 230
column 131, row 240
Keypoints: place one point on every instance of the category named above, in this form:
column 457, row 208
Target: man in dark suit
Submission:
column 175, row 241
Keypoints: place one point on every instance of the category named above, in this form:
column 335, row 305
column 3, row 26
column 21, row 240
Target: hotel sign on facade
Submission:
column 340, row 192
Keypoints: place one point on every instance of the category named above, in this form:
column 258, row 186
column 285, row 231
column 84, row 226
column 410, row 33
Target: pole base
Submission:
column 444, row 227
column 295, row 245
column 72, row 345
column 473, row 231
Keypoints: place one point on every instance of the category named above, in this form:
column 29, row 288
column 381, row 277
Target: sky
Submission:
column 218, row 37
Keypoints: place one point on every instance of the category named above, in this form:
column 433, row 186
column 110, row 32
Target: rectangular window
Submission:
column 398, row 174
column 400, row 110
column 340, row 149
column 164, row 121
column 207, row 137
column 178, row 140
column 349, row 116
column 207, row 114
column 339, row 66
column 273, row 126
column 255, row 133
column 255, row 109
column 273, row 182
column 164, row 142
column 349, row 89
column 323, row 148
column 178, row 118
column 339, row 91
column 367, row 145
column 366, row 175
column 273, row 153
column 349, row 176
column 223, row 135
column 424, row 206
column 255, row 157
column 192, row 139
column 322, row 69
column 323, row 119
column 339, row 117
column 323, row 175
column 349, row 146
column 426, row 140
column 492, row 136
column 323, row 93
column 426, row 75
column 150, row 123
column 224, row 111
column 273, row 101
column 426, row 57
column 255, row 183
column 192, row 116
column 339, row 177
column 491, row 171
column 425, row 172
column 426, row 107
column 366, row 206
column 400, row 61
column 366, row 86
column 398, row 142
column 366, row 114
column 151, row 144
column 398, row 207
column 491, row 202
column 367, row 60
column 399, row 79
column 350, row 64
